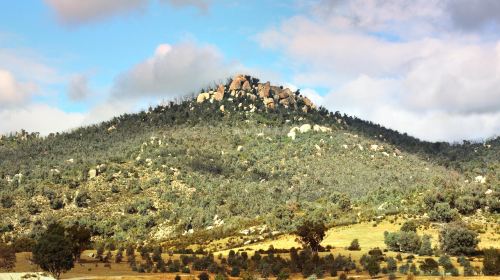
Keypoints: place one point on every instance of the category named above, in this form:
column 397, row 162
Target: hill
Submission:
column 242, row 154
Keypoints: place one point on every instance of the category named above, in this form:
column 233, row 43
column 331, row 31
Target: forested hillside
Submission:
column 245, row 153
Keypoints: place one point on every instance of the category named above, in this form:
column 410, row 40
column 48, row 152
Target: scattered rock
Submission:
column 219, row 94
column 92, row 173
column 269, row 103
column 221, row 108
column 202, row 97
column 480, row 179
column 264, row 90
column 488, row 192
column 237, row 82
column 305, row 128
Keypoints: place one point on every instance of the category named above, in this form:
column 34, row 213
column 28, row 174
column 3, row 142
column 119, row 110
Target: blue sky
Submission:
column 429, row 68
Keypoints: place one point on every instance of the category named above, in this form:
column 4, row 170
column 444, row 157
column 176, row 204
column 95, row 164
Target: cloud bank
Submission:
column 404, row 64
column 174, row 70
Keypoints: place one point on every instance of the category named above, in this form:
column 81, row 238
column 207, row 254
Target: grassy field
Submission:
column 339, row 238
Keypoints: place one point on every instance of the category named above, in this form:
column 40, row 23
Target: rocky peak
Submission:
column 265, row 94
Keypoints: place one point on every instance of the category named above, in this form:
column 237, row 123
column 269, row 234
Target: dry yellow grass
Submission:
column 338, row 237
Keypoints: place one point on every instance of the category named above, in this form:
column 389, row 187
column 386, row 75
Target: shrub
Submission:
column 391, row 264
column 372, row 266
column 429, row 266
column 426, row 246
column 7, row 201
column 442, row 212
column 410, row 225
column 409, row 241
column 491, row 262
column 81, row 200
column 354, row 246
column 456, row 239
column 203, row 276
column 7, row 257
column 235, row 271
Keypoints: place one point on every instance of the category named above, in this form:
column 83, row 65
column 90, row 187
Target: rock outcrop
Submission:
column 243, row 86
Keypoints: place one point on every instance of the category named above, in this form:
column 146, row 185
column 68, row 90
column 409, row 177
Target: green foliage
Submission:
column 457, row 239
column 203, row 276
column 267, row 179
column 354, row 245
column 410, row 225
column 442, row 212
column 491, row 261
column 426, row 246
column 371, row 264
column 430, row 267
column 53, row 251
column 403, row 241
column 311, row 233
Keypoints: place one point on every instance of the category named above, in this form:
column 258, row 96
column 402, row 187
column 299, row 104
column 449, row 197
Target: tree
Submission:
column 429, row 266
column 7, row 257
column 442, row 212
column 372, row 265
column 80, row 238
column 53, row 251
column 311, row 234
column 204, row 276
column 491, row 262
column 426, row 246
column 392, row 265
column 354, row 246
column 456, row 239
column 410, row 225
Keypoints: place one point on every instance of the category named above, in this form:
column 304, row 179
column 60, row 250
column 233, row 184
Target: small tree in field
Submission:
column 354, row 246
column 53, row 251
column 7, row 257
column 456, row 239
column 311, row 234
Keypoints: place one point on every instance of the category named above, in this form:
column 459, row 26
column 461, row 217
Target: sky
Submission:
column 428, row 68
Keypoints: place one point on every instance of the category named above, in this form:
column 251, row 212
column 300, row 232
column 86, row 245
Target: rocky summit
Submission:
column 270, row 96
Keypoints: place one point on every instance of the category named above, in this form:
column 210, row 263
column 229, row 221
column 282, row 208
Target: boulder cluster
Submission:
column 270, row 96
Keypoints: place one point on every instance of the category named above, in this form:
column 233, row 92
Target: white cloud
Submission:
column 12, row 92
column 78, row 88
column 76, row 12
column 38, row 117
column 380, row 58
column 175, row 70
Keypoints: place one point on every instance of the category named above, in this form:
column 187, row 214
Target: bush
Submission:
column 410, row 225
column 203, row 276
column 354, row 245
column 81, row 199
column 391, row 264
column 456, row 239
column 235, row 271
column 430, row 266
column 7, row 257
column 442, row 212
column 491, row 262
column 426, row 246
column 7, row 201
